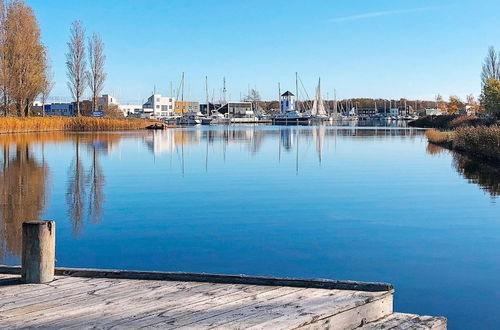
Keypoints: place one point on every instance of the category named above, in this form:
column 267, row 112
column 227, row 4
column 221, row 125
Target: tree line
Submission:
column 24, row 64
column 490, row 80
column 25, row 71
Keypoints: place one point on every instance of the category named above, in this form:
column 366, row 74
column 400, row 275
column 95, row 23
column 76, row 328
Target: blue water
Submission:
column 342, row 203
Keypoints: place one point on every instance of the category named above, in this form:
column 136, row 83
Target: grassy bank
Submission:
column 477, row 142
column 448, row 122
column 46, row 124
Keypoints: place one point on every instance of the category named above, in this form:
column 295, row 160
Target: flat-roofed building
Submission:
column 237, row 109
column 182, row 107
column 130, row 109
column 60, row 109
column 158, row 106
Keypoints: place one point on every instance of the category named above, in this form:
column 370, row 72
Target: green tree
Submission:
column 490, row 97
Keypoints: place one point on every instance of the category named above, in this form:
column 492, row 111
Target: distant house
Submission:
column 130, row 109
column 158, row 106
column 237, row 109
column 432, row 112
column 466, row 111
column 60, row 109
column 182, row 107
column 105, row 101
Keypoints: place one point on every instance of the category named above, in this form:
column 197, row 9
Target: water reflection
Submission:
column 24, row 177
column 24, row 182
column 486, row 175
column 23, row 188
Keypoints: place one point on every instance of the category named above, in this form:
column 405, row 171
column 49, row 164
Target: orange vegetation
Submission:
column 44, row 124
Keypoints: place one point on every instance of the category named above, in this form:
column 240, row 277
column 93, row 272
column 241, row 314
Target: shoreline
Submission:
column 9, row 125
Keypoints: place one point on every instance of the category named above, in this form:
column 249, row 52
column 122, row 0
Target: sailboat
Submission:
column 318, row 111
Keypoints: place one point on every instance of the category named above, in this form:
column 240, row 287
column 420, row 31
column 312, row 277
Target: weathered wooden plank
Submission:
column 18, row 289
column 218, row 278
column 206, row 314
column 302, row 311
column 400, row 321
column 48, row 292
column 166, row 311
column 147, row 306
column 274, row 309
column 89, row 301
column 355, row 316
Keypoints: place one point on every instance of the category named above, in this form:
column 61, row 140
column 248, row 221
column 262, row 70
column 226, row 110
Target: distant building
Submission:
column 432, row 112
column 287, row 102
column 182, row 107
column 213, row 107
column 105, row 101
column 237, row 109
column 60, row 109
column 467, row 111
column 158, row 106
column 130, row 109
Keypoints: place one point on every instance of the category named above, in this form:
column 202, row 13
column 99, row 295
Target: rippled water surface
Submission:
column 370, row 204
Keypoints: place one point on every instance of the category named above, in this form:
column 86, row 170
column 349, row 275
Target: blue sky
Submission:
column 362, row 48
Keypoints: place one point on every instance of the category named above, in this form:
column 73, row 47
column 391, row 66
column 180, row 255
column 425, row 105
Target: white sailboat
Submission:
column 318, row 111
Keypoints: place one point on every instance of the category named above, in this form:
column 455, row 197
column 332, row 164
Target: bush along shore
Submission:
column 448, row 122
column 47, row 124
column 480, row 142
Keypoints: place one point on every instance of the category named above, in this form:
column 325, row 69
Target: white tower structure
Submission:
column 287, row 102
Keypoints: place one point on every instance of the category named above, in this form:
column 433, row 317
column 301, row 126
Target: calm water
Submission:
column 370, row 204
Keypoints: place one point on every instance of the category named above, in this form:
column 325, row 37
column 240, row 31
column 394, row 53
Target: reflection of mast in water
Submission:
column 206, row 157
column 297, row 155
column 319, row 136
column 182, row 153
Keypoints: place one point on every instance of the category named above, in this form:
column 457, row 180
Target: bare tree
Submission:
column 76, row 63
column 254, row 97
column 48, row 84
column 96, row 75
column 25, row 56
column 491, row 66
column 3, row 63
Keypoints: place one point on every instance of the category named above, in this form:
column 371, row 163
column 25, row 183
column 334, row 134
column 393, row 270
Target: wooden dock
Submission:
column 101, row 299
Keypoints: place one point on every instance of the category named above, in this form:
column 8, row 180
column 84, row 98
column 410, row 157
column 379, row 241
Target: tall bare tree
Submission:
column 25, row 56
column 96, row 75
column 3, row 63
column 491, row 66
column 76, row 63
column 48, row 84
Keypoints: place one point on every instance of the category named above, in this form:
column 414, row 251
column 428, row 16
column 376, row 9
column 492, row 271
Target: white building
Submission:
column 287, row 102
column 130, row 109
column 158, row 106
column 104, row 101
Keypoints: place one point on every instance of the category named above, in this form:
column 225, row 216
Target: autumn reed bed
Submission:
column 476, row 142
column 77, row 124
column 448, row 122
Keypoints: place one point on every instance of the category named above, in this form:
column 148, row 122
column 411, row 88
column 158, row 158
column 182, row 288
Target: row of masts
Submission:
column 317, row 106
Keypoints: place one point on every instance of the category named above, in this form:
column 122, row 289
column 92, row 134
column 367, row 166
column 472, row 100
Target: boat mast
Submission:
column 279, row 96
column 206, row 94
column 335, row 101
column 297, row 90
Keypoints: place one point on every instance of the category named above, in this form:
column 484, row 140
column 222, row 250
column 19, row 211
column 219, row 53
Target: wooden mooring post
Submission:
column 38, row 255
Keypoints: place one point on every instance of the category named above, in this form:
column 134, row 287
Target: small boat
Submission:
column 215, row 119
column 157, row 126
column 189, row 118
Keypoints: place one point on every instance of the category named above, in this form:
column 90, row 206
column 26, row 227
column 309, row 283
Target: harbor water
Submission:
column 351, row 203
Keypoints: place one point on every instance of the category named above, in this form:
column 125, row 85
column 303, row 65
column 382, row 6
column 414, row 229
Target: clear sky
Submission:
column 362, row 48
